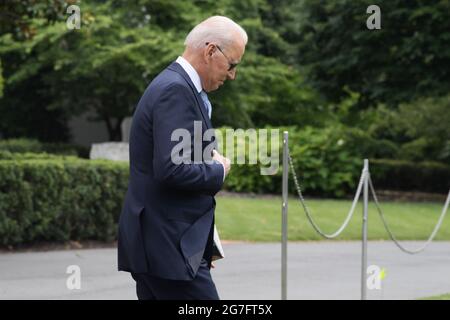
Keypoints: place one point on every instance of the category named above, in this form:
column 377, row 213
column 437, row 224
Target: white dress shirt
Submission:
column 192, row 73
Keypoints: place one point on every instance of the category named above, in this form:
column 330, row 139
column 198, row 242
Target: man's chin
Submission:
column 215, row 87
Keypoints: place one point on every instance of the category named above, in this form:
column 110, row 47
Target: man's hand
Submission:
column 225, row 161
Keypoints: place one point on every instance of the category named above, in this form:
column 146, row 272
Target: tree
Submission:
column 426, row 124
column 103, row 67
column 266, row 92
column 106, row 65
column 16, row 15
column 401, row 62
column 1, row 80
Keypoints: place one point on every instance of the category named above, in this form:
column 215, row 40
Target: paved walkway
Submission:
column 317, row 270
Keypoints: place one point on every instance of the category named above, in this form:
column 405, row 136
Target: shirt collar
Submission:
column 192, row 73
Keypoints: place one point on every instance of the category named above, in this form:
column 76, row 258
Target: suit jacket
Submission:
column 167, row 221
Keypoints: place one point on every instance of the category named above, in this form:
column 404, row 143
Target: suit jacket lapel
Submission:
column 177, row 68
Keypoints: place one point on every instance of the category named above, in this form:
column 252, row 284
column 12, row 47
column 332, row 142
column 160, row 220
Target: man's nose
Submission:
column 232, row 74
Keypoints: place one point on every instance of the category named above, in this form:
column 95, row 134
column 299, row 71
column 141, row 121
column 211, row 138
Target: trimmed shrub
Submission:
column 23, row 145
column 46, row 197
column 329, row 161
column 410, row 176
column 324, row 164
column 6, row 155
column 60, row 199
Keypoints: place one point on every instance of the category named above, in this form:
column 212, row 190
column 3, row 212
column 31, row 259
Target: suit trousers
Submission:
column 201, row 287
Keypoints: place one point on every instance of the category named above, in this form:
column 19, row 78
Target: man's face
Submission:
column 221, row 64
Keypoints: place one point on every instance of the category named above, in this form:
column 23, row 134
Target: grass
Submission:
column 442, row 297
column 259, row 219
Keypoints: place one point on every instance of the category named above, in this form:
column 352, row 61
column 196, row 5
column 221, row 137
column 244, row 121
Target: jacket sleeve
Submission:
column 175, row 109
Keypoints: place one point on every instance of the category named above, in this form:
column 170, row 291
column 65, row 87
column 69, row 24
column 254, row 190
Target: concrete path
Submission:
column 316, row 270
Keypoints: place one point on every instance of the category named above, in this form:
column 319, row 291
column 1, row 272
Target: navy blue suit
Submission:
column 167, row 220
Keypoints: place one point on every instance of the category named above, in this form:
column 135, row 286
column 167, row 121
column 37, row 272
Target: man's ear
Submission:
column 210, row 49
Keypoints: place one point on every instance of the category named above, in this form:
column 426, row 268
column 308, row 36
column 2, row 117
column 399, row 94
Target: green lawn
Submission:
column 442, row 297
column 258, row 219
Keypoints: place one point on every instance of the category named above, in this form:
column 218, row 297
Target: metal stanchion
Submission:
column 284, row 218
column 364, row 230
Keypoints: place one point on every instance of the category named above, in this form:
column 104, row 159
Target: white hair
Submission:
column 218, row 29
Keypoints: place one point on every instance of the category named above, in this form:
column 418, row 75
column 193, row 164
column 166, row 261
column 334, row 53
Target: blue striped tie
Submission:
column 208, row 106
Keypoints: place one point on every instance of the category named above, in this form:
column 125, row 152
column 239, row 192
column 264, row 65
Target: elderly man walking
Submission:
column 166, row 226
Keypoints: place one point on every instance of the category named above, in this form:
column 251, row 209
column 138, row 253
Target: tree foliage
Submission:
column 307, row 63
column 105, row 66
column 402, row 61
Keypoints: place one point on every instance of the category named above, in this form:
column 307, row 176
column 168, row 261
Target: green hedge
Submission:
column 329, row 161
column 323, row 162
column 23, row 145
column 45, row 197
column 410, row 176
column 6, row 155
column 60, row 200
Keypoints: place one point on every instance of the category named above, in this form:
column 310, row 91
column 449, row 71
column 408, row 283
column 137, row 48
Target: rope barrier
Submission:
column 352, row 209
column 308, row 214
column 365, row 182
column 389, row 231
